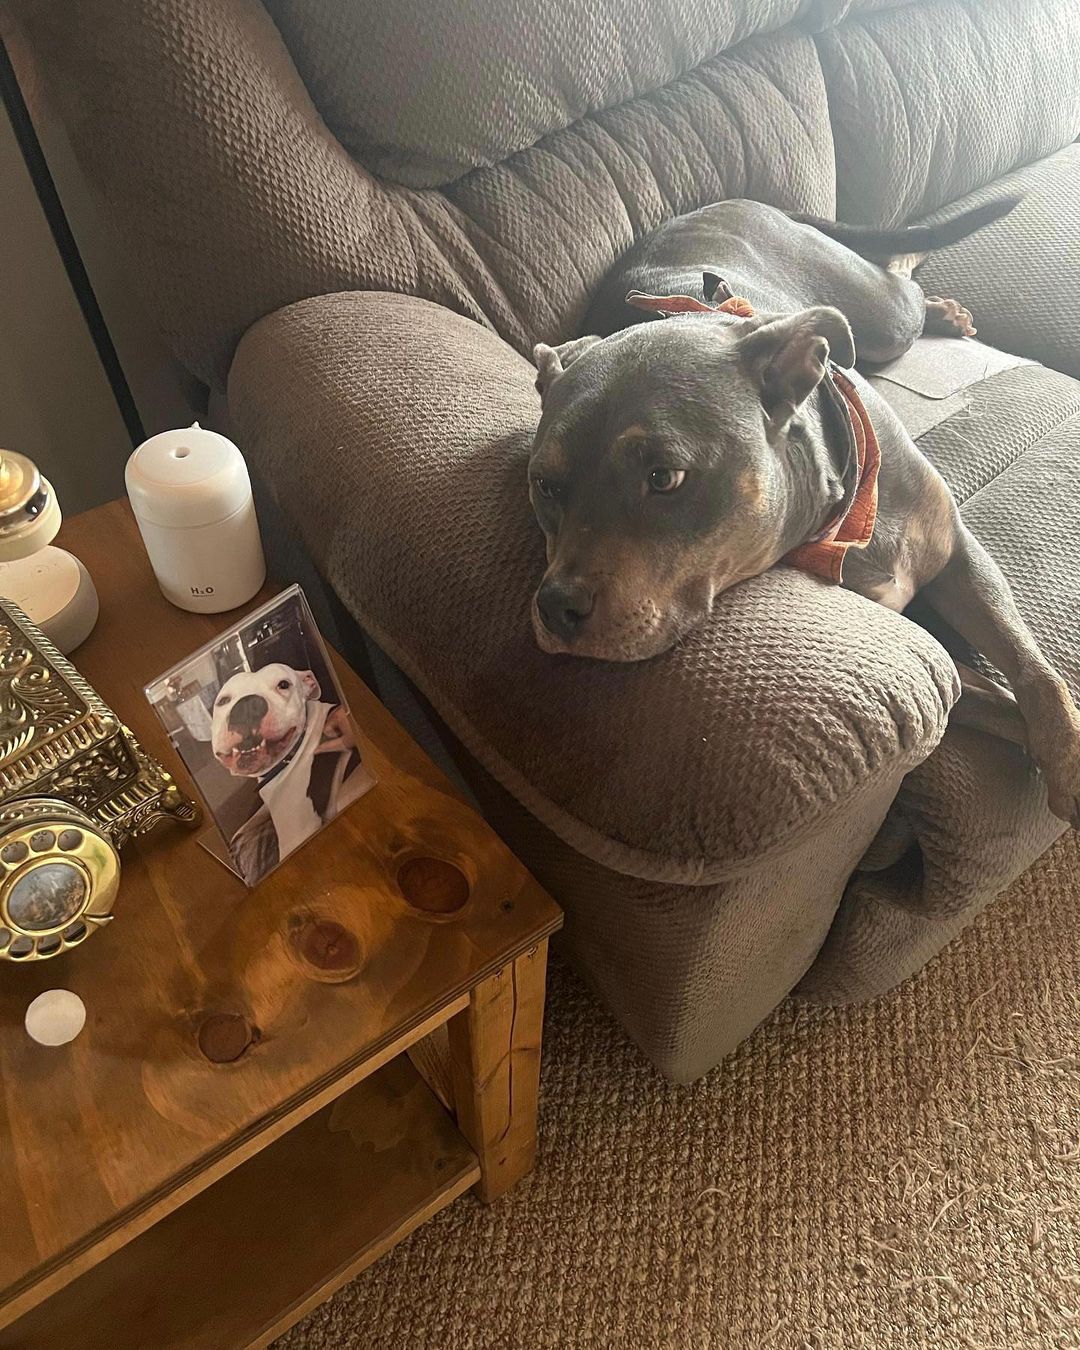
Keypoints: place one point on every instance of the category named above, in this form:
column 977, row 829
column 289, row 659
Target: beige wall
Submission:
column 56, row 404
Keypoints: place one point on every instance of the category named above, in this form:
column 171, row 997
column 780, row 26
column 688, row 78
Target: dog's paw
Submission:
column 947, row 318
column 1066, row 806
column 1064, row 801
column 1062, row 776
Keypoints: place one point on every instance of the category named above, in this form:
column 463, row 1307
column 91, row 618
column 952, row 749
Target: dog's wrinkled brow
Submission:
column 641, row 446
column 636, row 432
column 553, row 454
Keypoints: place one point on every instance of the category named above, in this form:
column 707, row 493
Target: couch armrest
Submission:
column 396, row 434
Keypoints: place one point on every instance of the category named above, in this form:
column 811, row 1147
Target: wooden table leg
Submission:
column 495, row 1066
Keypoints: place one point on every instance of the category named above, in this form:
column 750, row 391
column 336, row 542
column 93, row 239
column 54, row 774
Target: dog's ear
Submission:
column 789, row 356
column 550, row 362
column 714, row 288
column 309, row 684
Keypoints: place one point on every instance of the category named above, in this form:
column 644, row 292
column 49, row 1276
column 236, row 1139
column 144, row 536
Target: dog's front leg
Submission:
column 971, row 594
column 986, row 706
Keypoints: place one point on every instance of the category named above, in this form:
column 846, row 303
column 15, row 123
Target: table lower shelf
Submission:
column 250, row 1255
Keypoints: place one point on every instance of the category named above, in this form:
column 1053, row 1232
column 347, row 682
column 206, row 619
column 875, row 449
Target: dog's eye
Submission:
column 223, row 701
column 284, row 684
column 666, row 480
column 545, row 487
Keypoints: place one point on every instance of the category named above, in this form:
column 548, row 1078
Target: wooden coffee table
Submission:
column 237, row 1131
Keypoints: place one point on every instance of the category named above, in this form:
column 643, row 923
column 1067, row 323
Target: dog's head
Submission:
column 673, row 460
column 260, row 716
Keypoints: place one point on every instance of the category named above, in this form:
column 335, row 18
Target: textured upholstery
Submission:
column 933, row 100
column 284, row 211
column 386, row 206
column 556, row 216
column 1021, row 277
column 478, row 80
column 1006, row 417
column 545, row 67
column 693, row 969
column 230, row 193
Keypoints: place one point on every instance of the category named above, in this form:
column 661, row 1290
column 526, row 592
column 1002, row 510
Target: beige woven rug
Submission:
column 904, row 1174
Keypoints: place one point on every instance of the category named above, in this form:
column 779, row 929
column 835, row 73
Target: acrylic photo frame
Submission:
column 260, row 720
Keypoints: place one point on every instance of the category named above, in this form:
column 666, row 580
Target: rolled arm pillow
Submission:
column 397, row 434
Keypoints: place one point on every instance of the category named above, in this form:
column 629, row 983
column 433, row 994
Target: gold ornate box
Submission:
column 75, row 786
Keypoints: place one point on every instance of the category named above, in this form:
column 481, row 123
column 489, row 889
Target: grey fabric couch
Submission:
column 357, row 218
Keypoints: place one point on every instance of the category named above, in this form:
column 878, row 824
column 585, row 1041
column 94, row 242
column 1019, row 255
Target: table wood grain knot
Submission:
column 433, row 885
column 223, row 1037
column 326, row 946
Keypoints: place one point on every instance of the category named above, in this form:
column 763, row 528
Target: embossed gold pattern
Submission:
column 60, row 741
column 51, row 898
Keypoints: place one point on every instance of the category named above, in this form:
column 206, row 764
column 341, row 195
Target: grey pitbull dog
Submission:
column 674, row 459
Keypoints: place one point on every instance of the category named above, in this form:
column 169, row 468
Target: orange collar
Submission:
column 853, row 525
column 686, row 304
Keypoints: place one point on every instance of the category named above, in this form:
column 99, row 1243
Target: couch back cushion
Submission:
column 550, row 220
column 497, row 158
column 551, row 136
column 423, row 92
column 931, row 101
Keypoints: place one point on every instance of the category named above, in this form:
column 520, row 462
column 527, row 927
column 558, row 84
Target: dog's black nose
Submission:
column 564, row 606
column 248, row 711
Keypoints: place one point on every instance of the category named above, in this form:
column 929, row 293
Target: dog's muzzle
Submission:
column 564, row 606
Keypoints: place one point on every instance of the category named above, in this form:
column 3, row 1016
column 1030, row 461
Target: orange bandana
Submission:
column 853, row 525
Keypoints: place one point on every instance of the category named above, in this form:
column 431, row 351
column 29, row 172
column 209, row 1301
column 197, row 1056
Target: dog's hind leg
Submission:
column 943, row 318
column 971, row 594
column 888, row 319
column 887, row 312
column 988, row 707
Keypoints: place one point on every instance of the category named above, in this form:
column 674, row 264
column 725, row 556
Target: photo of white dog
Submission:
column 271, row 725
column 260, row 722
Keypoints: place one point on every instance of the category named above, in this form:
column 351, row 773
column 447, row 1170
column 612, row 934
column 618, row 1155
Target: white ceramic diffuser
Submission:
column 50, row 585
column 191, row 495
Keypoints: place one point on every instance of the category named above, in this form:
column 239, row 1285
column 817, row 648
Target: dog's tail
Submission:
column 883, row 245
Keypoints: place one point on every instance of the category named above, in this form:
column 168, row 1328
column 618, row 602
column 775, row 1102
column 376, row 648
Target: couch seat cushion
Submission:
column 999, row 420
